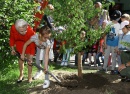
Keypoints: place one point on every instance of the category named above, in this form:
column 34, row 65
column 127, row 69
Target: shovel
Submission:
column 39, row 67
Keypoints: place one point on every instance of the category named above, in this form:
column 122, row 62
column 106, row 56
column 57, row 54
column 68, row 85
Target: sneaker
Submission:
column 65, row 64
column 37, row 75
column 62, row 63
column 46, row 84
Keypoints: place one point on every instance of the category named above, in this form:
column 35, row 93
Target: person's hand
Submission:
column 13, row 52
column 22, row 57
column 121, row 67
column 29, row 62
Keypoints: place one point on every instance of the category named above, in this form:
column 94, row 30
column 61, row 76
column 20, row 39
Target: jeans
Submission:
column 85, row 55
column 66, row 55
column 99, row 54
column 110, row 49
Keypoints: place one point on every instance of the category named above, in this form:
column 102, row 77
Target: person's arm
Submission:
column 12, row 40
column 46, row 58
column 127, row 64
column 105, row 44
column 24, row 48
column 123, row 66
column 94, row 20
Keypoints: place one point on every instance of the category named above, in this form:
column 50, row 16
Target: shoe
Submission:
column 62, row 63
column 19, row 81
column 112, row 72
column 95, row 65
column 65, row 64
column 127, row 80
column 46, row 84
column 102, row 70
column 37, row 75
column 123, row 79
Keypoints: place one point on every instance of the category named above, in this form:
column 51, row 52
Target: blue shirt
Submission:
column 124, row 38
column 115, row 30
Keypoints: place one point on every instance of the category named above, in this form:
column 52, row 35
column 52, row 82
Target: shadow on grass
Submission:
column 54, row 66
column 11, row 87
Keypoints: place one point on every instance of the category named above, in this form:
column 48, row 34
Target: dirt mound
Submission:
column 92, row 83
column 89, row 80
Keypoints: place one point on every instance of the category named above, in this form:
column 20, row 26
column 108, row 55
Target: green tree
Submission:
column 75, row 15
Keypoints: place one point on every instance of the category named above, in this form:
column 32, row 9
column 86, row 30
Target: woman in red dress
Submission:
column 21, row 32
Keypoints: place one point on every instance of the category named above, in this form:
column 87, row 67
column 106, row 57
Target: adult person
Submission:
column 99, row 21
column 20, row 32
column 124, row 52
column 101, row 18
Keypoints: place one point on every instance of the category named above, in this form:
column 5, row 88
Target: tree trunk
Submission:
column 80, row 66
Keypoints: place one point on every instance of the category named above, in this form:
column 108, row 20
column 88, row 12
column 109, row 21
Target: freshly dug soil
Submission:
column 92, row 83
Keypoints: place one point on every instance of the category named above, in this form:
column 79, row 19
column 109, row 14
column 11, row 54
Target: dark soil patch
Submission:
column 92, row 83
column 89, row 81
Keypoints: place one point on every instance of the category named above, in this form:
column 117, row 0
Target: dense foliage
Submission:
column 75, row 15
column 10, row 11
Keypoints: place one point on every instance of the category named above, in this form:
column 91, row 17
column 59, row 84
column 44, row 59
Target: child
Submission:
column 111, row 41
column 40, row 58
column 42, row 42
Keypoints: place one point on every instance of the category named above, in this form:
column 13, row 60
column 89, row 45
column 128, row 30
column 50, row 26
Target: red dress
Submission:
column 18, row 40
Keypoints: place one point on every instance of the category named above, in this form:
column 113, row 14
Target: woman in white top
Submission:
column 42, row 42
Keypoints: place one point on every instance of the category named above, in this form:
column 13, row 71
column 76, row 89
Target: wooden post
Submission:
column 80, row 66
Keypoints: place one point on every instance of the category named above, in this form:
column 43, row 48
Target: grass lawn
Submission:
column 9, row 77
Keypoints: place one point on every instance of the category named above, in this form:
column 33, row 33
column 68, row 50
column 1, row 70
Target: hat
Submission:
column 124, row 23
column 116, row 15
